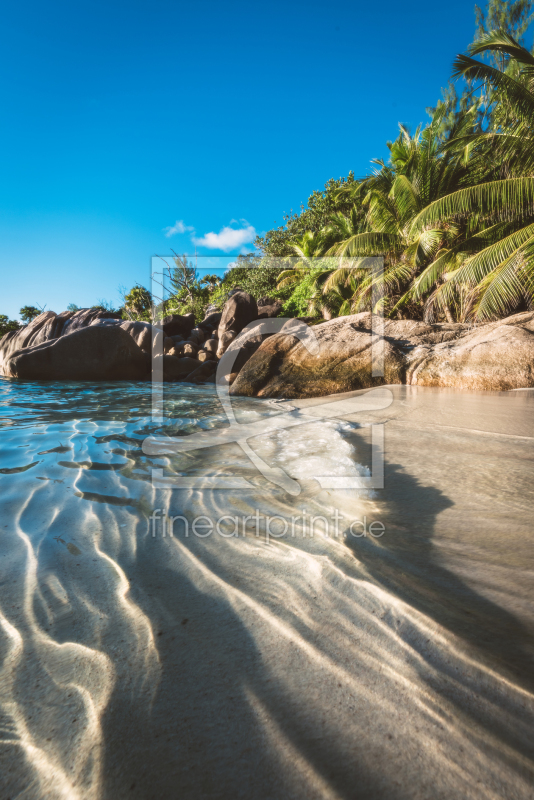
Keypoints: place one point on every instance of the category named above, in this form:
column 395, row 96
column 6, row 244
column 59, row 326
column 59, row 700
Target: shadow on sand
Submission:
column 406, row 563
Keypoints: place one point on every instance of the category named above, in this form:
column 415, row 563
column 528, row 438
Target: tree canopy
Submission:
column 27, row 313
column 7, row 325
column 451, row 211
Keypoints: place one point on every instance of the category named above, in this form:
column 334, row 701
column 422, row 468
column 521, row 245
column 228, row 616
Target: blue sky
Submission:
column 126, row 121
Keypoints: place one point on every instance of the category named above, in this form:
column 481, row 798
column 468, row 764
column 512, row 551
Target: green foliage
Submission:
column 452, row 211
column 513, row 17
column 313, row 216
column 184, row 279
column 72, row 307
column 255, row 274
column 138, row 304
column 191, row 299
column 105, row 305
column 306, row 297
column 27, row 313
column 7, row 325
column 212, row 282
column 182, row 290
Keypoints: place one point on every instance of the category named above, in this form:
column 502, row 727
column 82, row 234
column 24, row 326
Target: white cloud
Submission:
column 227, row 239
column 178, row 227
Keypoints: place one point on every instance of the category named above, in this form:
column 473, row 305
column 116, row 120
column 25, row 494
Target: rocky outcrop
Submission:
column 47, row 327
column 495, row 356
column 276, row 358
column 178, row 324
column 211, row 322
column 283, row 366
column 224, row 341
column 239, row 310
column 92, row 353
column 269, row 307
column 239, row 352
column 498, row 356
column 38, row 331
column 145, row 335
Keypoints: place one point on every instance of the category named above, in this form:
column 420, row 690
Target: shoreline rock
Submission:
column 93, row 353
column 95, row 345
column 495, row 356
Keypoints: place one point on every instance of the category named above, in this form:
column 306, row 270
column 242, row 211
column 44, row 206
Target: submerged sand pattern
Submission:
column 145, row 666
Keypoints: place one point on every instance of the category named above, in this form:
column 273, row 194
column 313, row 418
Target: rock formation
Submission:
column 93, row 353
column 95, row 345
column 497, row 356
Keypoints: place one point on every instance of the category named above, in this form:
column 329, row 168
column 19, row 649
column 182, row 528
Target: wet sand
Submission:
column 146, row 666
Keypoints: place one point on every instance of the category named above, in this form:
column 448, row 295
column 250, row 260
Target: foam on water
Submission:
column 313, row 450
column 135, row 664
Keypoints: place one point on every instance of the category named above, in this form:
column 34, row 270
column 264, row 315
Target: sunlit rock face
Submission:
column 495, row 356
column 239, row 310
column 283, row 366
column 145, row 335
column 499, row 356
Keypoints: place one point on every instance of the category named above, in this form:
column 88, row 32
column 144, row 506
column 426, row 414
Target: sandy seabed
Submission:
column 137, row 665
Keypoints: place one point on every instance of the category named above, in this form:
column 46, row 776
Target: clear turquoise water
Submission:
column 139, row 665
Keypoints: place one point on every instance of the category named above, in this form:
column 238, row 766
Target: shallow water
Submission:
column 135, row 664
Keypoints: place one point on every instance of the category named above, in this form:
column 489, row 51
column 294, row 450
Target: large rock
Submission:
column 238, row 311
column 283, row 366
column 239, row 352
column 211, row 346
column 498, row 356
column 224, row 341
column 85, row 317
column 197, row 336
column 92, row 353
column 211, row 321
column 39, row 330
column 268, row 307
column 186, row 349
column 143, row 334
column 178, row 324
column 47, row 327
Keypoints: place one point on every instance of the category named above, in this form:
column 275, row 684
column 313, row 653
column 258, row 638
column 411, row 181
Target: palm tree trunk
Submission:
column 448, row 313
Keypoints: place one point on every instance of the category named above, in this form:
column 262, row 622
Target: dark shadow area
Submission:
column 405, row 562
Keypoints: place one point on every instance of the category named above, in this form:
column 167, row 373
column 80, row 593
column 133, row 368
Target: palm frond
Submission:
column 515, row 195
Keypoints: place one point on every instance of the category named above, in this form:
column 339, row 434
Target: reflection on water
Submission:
column 137, row 665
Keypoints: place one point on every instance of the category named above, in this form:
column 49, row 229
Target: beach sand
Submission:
column 341, row 666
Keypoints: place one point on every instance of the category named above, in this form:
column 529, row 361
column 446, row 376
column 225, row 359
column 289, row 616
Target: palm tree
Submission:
column 211, row 282
column 138, row 302
column 418, row 173
column 305, row 269
column 491, row 271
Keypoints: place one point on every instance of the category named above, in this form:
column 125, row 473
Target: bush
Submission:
column 256, row 275
column 7, row 325
column 27, row 313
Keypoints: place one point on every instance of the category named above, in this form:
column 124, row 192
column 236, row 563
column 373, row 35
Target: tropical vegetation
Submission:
column 441, row 230
column 451, row 212
column 7, row 325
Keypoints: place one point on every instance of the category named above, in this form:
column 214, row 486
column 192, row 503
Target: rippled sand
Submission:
column 135, row 665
